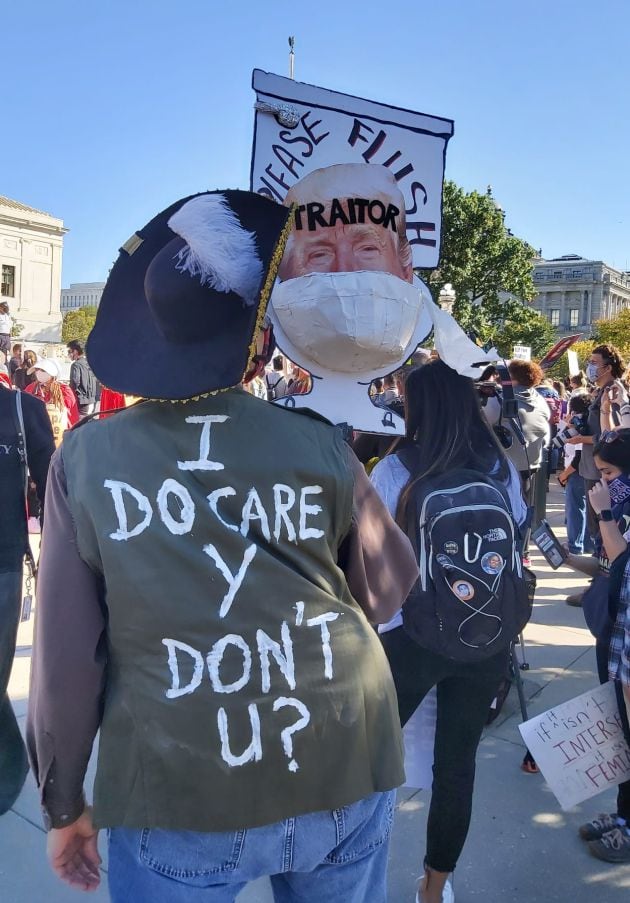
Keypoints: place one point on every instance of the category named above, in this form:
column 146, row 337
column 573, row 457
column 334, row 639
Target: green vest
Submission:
column 244, row 683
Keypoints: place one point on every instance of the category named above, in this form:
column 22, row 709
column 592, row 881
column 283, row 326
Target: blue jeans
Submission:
column 13, row 760
column 339, row 855
column 575, row 508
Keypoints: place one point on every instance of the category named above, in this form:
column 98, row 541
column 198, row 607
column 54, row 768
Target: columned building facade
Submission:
column 573, row 292
column 81, row 294
column 31, row 248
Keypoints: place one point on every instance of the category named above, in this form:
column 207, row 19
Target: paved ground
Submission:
column 521, row 846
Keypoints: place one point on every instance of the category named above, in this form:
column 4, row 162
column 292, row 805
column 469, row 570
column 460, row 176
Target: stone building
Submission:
column 574, row 291
column 81, row 294
column 31, row 247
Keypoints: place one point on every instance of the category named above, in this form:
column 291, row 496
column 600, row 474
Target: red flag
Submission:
column 558, row 350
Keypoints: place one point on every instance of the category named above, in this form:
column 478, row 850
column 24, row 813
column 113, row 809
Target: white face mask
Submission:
column 348, row 322
column 42, row 377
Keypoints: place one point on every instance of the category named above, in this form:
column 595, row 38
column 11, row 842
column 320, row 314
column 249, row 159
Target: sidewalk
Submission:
column 521, row 846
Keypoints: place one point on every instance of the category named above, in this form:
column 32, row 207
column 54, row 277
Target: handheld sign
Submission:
column 522, row 353
column 300, row 128
column 579, row 746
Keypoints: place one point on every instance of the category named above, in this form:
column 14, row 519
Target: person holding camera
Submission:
column 526, row 451
column 579, row 540
column 605, row 369
column 615, row 408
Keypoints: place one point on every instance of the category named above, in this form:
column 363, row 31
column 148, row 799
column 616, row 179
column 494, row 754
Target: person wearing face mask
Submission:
column 604, row 369
column 608, row 835
column 59, row 399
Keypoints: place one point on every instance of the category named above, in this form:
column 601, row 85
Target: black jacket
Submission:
column 83, row 381
column 39, row 446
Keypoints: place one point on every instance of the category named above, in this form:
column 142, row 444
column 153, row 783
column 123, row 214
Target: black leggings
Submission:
column 464, row 695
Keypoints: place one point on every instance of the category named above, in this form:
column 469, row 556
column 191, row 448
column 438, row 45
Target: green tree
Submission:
column 16, row 329
column 560, row 369
column 615, row 331
column 523, row 326
column 491, row 272
column 77, row 324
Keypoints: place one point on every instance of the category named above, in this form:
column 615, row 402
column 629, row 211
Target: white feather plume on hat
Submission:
column 218, row 249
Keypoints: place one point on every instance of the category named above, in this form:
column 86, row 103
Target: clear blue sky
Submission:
column 111, row 110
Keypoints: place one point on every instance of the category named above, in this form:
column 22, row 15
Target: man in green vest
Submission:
column 210, row 571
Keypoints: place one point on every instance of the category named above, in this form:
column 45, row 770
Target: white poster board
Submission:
column 339, row 128
column 579, row 746
column 574, row 364
column 522, row 353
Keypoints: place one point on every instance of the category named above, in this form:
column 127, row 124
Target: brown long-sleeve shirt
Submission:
column 69, row 657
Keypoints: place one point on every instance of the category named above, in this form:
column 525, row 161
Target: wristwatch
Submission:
column 606, row 514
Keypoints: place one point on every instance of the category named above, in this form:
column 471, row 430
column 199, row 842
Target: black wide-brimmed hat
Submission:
column 185, row 300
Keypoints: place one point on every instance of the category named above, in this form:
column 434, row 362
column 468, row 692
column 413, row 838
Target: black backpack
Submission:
column 473, row 597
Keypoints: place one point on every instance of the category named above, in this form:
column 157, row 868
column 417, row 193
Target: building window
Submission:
column 7, row 286
column 574, row 317
column 554, row 316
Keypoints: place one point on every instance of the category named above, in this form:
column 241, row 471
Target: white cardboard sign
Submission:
column 574, row 364
column 339, row 128
column 522, row 353
column 579, row 746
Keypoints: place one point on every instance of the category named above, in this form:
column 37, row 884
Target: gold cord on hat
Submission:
column 265, row 294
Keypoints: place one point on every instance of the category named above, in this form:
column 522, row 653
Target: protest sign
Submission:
column 333, row 128
column 557, row 350
column 579, row 746
column 522, row 353
column 574, row 364
column 365, row 182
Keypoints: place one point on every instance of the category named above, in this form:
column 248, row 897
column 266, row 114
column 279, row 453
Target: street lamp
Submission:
column 446, row 298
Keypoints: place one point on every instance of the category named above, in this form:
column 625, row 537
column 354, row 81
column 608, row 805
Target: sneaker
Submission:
column 448, row 895
column 595, row 829
column 614, row 846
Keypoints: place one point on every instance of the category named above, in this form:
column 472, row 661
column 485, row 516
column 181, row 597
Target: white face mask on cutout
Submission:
column 42, row 377
column 348, row 322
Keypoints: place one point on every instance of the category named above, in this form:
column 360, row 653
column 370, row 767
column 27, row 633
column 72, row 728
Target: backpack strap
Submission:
column 23, row 453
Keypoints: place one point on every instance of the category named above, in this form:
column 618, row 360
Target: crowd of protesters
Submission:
column 176, row 801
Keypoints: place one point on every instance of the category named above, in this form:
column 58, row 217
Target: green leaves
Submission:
column 491, row 272
column 77, row 324
column 614, row 332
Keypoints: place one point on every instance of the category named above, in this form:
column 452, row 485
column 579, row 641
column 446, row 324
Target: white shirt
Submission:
column 6, row 324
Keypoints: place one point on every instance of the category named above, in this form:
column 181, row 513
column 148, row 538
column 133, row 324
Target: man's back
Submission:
column 236, row 648
column 83, row 381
